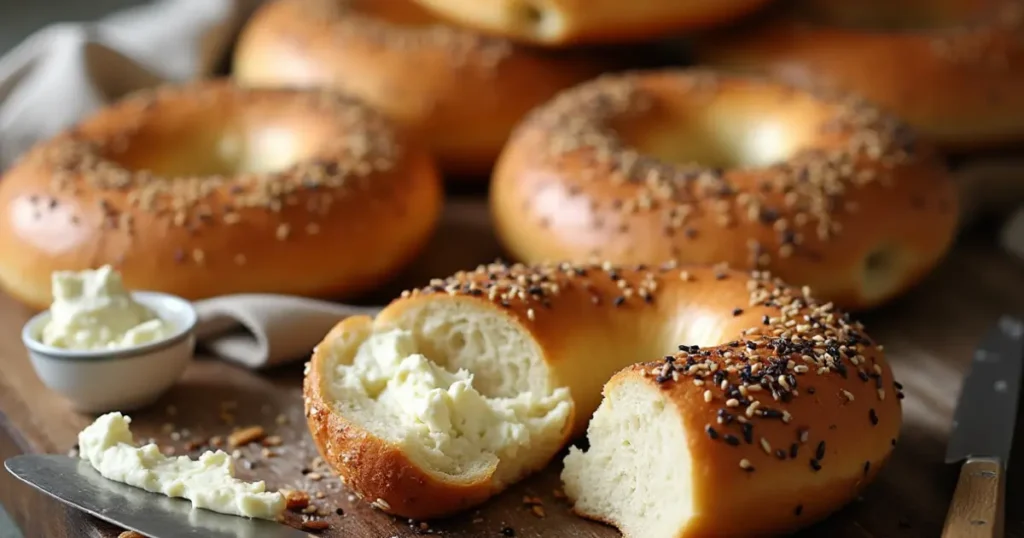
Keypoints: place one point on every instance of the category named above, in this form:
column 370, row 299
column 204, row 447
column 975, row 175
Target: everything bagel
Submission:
column 774, row 410
column 567, row 22
column 207, row 189
column 952, row 69
column 820, row 189
column 460, row 91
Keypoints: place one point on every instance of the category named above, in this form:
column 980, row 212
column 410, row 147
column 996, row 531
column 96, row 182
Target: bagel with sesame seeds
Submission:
column 701, row 167
column 762, row 412
column 459, row 91
column 952, row 69
column 560, row 23
column 209, row 189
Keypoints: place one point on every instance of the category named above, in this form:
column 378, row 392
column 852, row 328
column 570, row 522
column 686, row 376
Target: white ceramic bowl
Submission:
column 121, row 379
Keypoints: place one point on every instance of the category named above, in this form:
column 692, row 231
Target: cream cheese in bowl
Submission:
column 105, row 348
column 91, row 310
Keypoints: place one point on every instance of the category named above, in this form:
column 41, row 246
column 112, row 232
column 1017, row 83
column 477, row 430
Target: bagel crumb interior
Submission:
column 454, row 395
column 635, row 474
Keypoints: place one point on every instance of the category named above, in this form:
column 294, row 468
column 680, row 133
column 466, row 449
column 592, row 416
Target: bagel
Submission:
column 953, row 70
column 643, row 167
column 207, row 189
column 763, row 411
column 460, row 91
column 571, row 22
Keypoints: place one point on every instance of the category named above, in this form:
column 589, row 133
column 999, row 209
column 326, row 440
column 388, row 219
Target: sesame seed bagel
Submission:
column 207, row 189
column 952, row 69
column 459, row 91
column 763, row 399
column 693, row 166
column 568, row 22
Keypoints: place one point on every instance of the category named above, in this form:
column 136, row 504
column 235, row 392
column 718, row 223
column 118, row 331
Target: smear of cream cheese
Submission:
column 209, row 482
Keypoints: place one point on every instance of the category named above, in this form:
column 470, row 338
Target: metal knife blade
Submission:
column 76, row 483
column 986, row 413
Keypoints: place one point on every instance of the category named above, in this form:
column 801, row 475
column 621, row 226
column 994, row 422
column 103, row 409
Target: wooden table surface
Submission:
column 929, row 335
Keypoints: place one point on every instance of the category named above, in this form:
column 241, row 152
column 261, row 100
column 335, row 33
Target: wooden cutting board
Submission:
column 929, row 336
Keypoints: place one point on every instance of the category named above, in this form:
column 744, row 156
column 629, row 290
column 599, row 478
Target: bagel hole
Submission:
column 882, row 271
column 535, row 18
column 723, row 133
column 188, row 151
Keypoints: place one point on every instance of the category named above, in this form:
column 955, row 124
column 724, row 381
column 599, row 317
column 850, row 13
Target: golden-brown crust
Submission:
column 573, row 22
column 151, row 186
column 956, row 83
column 568, row 186
column 376, row 470
column 590, row 321
column 460, row 91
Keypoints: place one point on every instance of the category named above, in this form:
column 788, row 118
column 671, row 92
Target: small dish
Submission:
column 123, row 379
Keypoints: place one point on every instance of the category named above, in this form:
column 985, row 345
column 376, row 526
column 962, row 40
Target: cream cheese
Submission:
column 209, row 482
column 91, row 310
column 439, row 413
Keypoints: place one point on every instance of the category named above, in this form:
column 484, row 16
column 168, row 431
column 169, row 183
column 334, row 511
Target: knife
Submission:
column 74, row 482
column 982, row 433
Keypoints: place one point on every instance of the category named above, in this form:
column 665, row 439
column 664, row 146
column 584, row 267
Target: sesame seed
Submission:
column 819, row 453
column 815, row 464
column 731, row 440
column 766, row 446
column 746, row 465
column 873, row 417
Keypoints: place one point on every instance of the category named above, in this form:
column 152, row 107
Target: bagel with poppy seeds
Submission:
column 699, row 167
column 208, row 189
column 952, row 69
column 460, row 388
column 459, row 91
column 559, row 23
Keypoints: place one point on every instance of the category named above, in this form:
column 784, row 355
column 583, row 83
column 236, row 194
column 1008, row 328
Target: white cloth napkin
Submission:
column 260, row 330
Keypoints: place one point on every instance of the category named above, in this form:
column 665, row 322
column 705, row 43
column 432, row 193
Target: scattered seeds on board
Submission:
column 245, row 436
column 315, row 525
column 296, row 500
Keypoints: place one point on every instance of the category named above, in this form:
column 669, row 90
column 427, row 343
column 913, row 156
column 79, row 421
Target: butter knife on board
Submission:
column 982, row 433
column 74, row 482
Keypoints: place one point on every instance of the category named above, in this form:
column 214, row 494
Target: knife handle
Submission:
column 977, row 508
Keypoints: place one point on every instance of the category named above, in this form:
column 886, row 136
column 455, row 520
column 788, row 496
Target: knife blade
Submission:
column 982, row 431
column 74, row 482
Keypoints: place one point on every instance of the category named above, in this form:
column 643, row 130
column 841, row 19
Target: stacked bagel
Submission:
column 687, row 237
